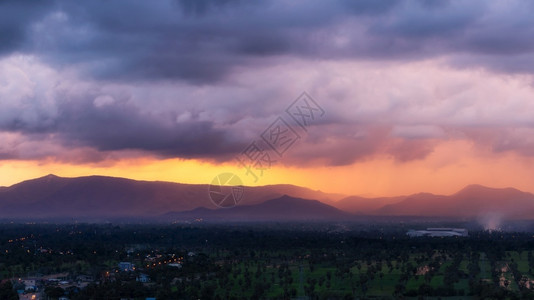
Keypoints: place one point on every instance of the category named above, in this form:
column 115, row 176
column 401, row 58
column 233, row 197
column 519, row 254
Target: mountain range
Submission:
column 100, row 198
column 285, row 208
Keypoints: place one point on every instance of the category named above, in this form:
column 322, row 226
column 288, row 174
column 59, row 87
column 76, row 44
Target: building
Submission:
column 30, row 284
column 30, row 288
column 126, row 266
column 438, row 232
column 143, row 278
column 84, row 278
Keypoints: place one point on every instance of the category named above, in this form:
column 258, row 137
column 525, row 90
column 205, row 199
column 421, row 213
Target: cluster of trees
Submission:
column 7, row 292
column 259, row 261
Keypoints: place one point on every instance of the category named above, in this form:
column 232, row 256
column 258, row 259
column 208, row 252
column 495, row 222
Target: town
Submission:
column 55, row 262
column 254, row 261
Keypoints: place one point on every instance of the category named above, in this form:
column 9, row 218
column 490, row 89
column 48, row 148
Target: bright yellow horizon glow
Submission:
column 450, row 167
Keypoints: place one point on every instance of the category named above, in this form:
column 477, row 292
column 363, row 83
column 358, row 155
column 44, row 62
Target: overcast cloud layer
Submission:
column 89, row 81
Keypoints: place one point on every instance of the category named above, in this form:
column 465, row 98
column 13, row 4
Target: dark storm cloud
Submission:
column 201, row 7
column 122, row 126
column 204, row 41
column 15, row 18
column 369, row 7
column 198, row 42
column 207, row 42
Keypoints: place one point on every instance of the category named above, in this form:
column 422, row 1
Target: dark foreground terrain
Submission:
column 263, row 261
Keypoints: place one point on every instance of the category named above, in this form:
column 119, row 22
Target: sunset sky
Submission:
column 418, row 96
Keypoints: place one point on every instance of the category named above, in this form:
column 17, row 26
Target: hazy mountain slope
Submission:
column 108, row 197
column 285, row 208
column 472, row 201
column 357, row 204
column 101, row 196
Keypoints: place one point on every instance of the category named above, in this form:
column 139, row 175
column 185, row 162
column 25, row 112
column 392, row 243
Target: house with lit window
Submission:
column 126, row 266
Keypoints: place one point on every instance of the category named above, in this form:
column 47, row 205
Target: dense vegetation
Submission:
column 320, row 261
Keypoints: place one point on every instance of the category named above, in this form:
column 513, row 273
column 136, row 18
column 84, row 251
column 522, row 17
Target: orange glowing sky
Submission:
column 443, row 172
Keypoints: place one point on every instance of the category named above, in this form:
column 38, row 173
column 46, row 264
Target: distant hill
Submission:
column 100, row 198
column 285, row 208
column 108, row 197
column 362, row 205
column 472, row 201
